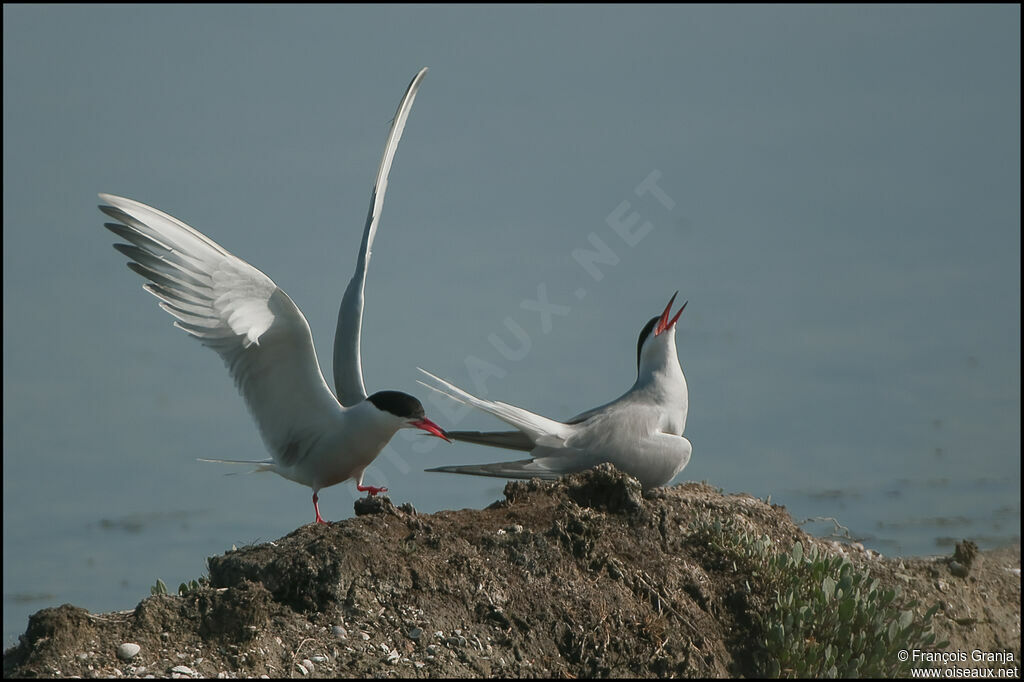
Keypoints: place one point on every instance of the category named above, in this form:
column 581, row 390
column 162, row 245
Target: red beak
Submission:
column 431, row 428
column 664, row 323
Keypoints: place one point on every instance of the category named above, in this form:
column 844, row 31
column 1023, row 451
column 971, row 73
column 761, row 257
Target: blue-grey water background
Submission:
column 837, row 198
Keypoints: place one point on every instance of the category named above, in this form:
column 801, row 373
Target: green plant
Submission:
column 191, row 586
column 185, row 588
column 823, row 618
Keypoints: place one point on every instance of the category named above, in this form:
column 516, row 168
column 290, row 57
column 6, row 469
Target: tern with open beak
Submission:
column 641, row 432
column 315, row 439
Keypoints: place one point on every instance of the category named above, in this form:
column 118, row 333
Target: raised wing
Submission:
column 541, row 430
column 348, row 370
column 237, row 311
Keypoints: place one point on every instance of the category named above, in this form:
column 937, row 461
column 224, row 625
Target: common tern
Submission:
column 640, row 432
column 315, row 439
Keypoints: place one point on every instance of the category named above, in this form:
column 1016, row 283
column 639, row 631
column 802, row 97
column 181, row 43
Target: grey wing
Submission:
column 516, row 440
column 511, row 440
column 524, row 468
column 539, row 429
column 553, row 464
column 348, row 371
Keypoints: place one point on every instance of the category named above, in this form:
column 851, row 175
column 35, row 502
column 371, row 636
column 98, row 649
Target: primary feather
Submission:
column 348, row 371
column 510, row 440
column 540, row 430
column 233, row 308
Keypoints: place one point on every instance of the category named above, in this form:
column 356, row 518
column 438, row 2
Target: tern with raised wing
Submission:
column 641, row 432
column 315, row 439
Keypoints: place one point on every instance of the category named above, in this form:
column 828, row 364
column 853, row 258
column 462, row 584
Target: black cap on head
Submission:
column 644, row 333
column 400, row 404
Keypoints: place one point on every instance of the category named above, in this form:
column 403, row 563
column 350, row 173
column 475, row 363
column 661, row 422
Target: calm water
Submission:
column 839, row 202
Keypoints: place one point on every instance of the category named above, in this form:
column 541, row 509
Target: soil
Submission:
column 582, row 577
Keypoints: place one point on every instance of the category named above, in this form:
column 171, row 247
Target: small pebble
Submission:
column 340, row 632
column 302, row 668
column 85, row 657
column 415, row 634
column 393, row 656
column 308, row 665
column 432, row 650
column 182, row 670
column 318, row 659
column 364, row 635
column 128, row 651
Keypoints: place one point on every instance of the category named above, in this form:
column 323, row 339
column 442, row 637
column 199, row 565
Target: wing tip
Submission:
column 512, row 470
column 113, row 200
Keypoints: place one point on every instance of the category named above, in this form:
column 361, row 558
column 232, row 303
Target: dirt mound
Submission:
column 584, row 577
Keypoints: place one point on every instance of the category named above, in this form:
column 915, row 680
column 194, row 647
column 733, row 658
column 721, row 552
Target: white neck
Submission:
column 660, row 375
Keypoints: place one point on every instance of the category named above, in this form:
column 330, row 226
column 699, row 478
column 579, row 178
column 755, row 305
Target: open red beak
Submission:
column 431, row 428
column 664, row 323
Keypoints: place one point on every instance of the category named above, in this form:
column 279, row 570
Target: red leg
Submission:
column 370, row 489
column 316, row 508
